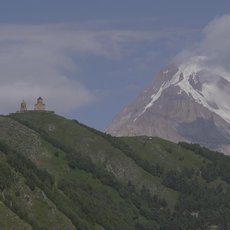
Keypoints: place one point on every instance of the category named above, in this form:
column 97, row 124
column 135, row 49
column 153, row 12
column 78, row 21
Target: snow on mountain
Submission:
column 189, row 78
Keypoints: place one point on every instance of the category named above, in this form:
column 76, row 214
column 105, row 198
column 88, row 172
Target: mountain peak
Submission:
column 180, row 94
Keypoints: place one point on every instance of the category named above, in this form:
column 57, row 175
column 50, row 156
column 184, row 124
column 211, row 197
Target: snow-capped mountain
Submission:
column 189, row 102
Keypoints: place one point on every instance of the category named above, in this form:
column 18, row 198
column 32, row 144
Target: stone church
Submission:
column 39, row 106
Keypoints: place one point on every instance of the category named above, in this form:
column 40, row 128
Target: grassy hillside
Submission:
column 56, row 173
column 88, row 143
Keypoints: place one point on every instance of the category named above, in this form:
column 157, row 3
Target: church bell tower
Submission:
column 23, row 107
column 39, row 106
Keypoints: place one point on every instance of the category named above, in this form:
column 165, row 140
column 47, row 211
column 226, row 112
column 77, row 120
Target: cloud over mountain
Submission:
column 214, row 56
column 215, row 45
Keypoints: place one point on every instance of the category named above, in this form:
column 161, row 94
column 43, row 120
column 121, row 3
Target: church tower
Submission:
column 23, row 107
column 40, row 106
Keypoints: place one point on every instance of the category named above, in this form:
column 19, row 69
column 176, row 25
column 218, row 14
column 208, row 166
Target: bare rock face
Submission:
column 184, row 103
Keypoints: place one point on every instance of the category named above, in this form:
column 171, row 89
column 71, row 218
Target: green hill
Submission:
column 56, row 173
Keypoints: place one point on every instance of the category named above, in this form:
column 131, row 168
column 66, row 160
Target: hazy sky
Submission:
column 88, row 59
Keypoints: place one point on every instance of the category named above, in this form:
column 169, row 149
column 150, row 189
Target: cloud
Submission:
column 38, row 60
column 215, row 45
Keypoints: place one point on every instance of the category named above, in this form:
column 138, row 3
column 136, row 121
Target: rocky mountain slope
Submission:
column 56, row 173
column 188, row 102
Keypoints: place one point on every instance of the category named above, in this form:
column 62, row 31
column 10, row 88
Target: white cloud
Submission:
column 36, row 60
column 215, row 44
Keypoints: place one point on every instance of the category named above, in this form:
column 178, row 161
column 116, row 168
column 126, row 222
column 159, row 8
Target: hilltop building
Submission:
column 39, row 106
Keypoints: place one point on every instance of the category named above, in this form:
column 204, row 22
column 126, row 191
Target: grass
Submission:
column 9, row 220
column 40, row 211
column 166, row 153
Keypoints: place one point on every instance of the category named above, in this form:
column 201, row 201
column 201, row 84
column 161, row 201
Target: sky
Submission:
column 88, row 59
